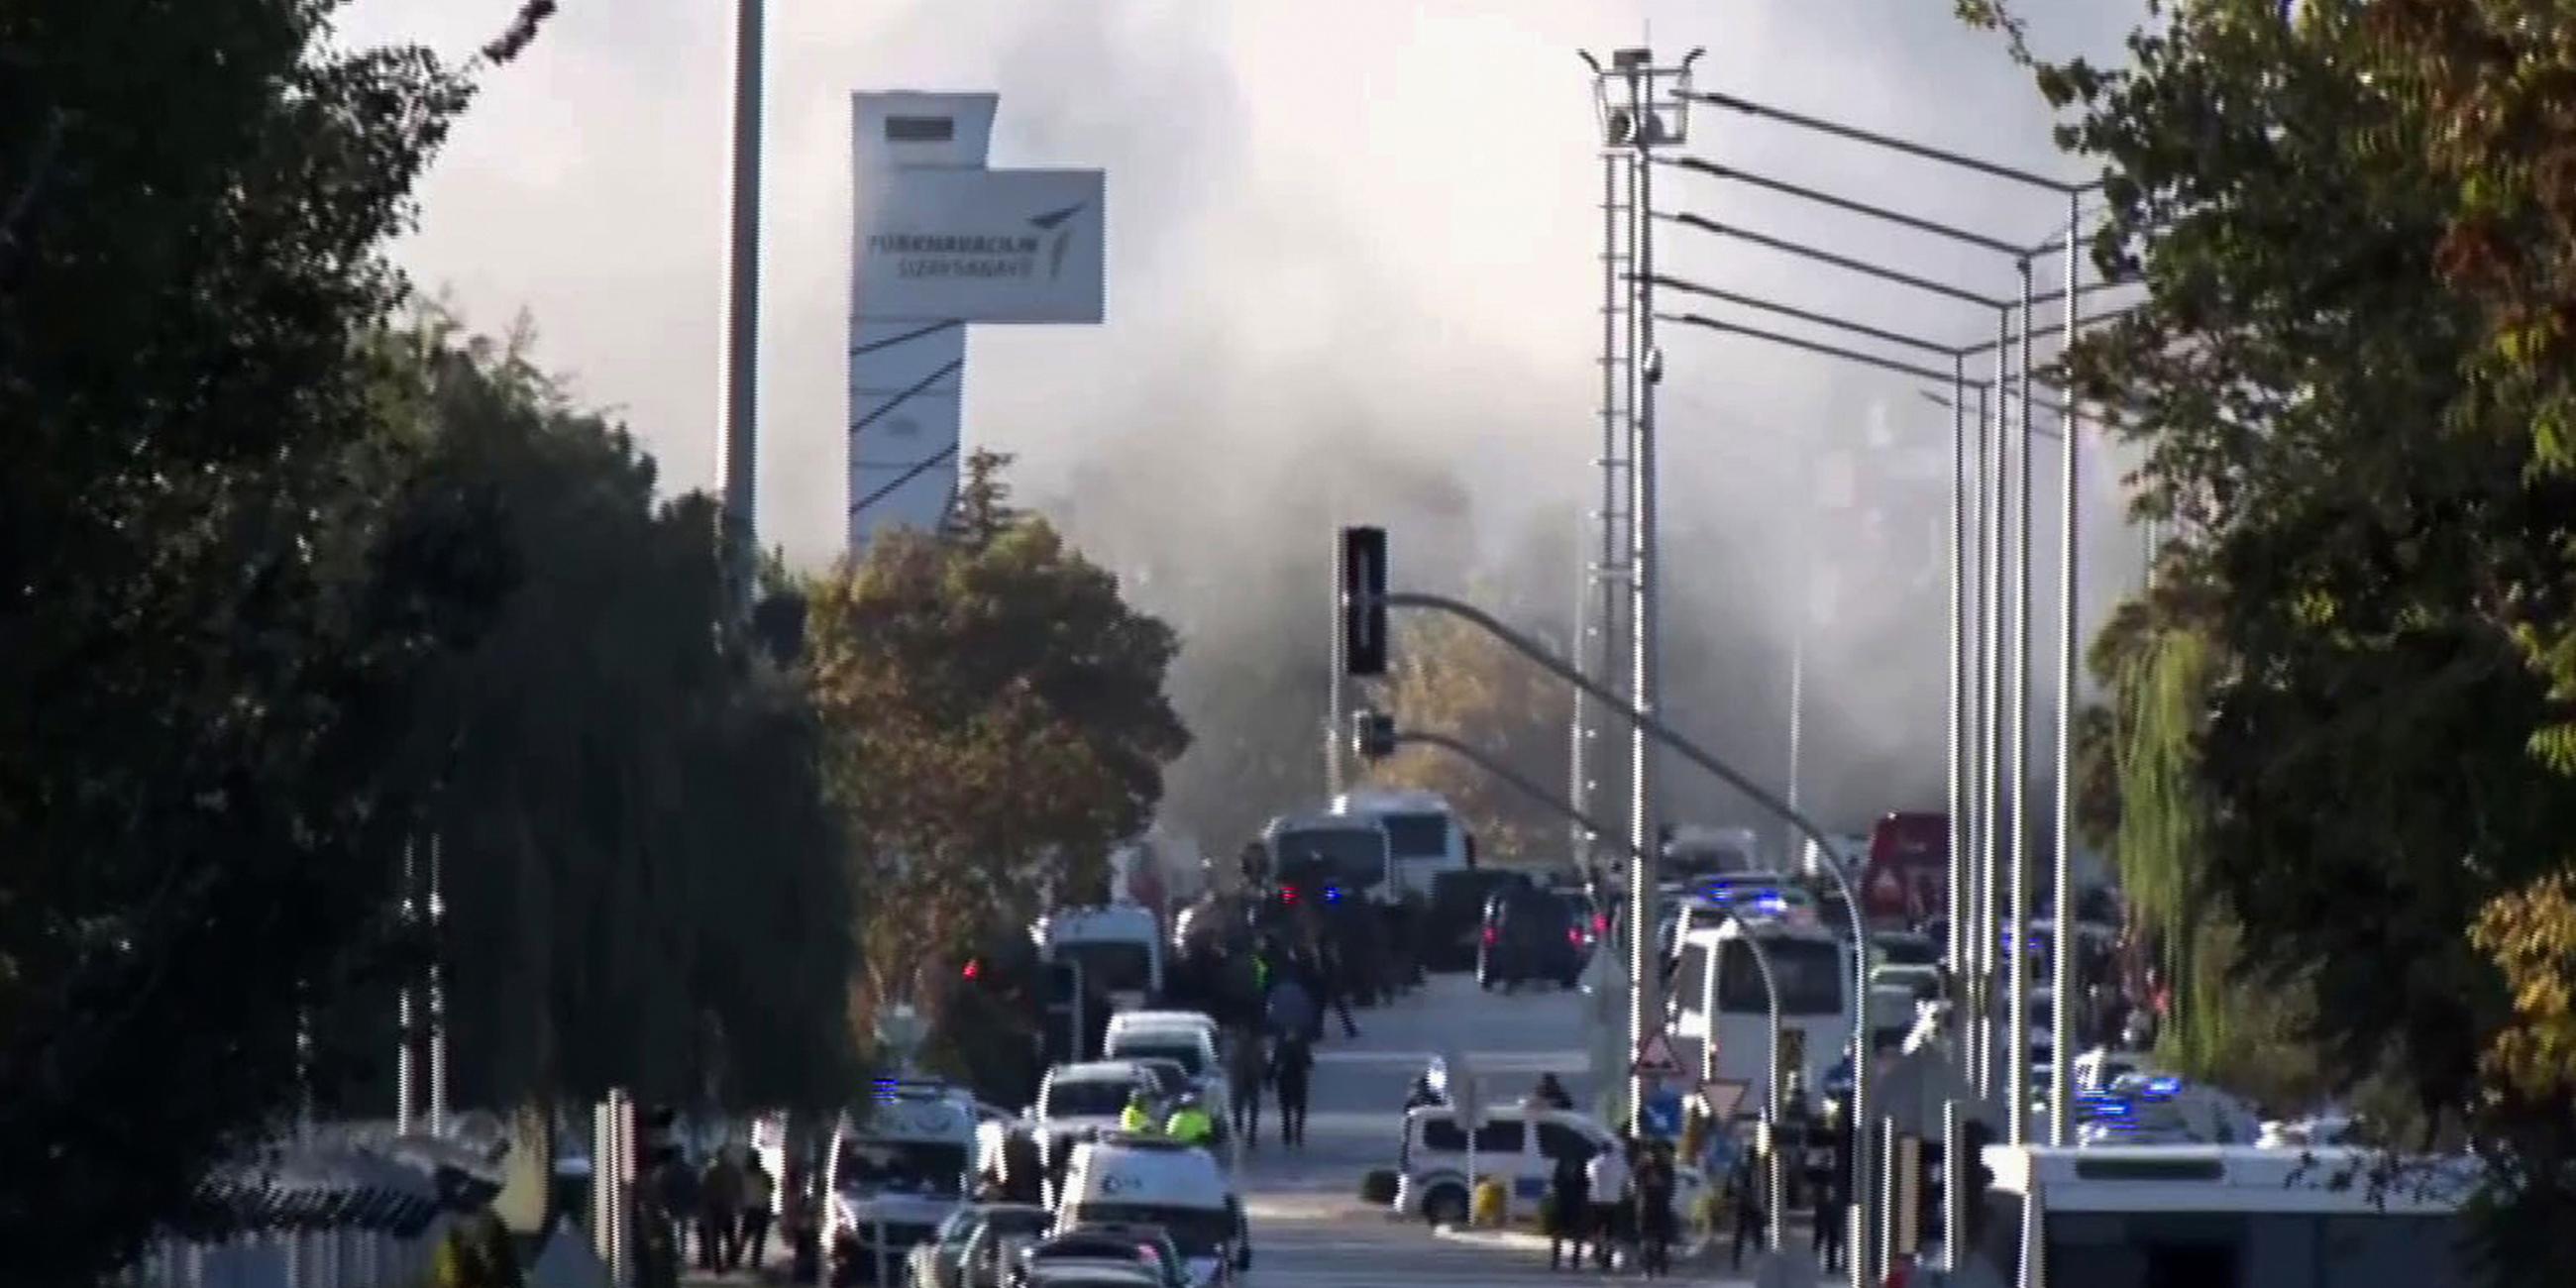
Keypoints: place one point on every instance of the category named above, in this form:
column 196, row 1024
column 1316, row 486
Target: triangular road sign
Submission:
column 1655, row 1059
column 1722, row 1095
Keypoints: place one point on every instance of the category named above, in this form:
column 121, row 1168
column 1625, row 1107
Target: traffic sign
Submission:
column 1654, row 1059
column 1722, row 1095
column 1660, row 1118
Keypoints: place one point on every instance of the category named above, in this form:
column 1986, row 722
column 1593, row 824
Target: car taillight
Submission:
column 1146, row 1251
column 1489, row 934
column 1574, row 936
column 1600, row 925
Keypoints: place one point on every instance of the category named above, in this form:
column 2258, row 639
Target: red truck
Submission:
column 1907, row 881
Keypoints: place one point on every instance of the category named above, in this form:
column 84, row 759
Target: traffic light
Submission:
column 1364, row 601
column 1373, row 735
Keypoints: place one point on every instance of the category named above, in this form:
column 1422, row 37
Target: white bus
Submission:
column 2216, row 1216
column 1423, row 837
column 1718, row 1001
column 1345, row 855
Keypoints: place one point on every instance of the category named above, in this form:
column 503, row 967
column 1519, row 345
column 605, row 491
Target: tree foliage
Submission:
column 212, row 631
column 1450, row 678
column 2342, row 736
column 645, row 880
column 996, row 723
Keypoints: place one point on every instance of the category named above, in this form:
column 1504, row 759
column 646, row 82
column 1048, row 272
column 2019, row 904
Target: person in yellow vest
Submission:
column 1190, row 1124
column 1138, row 1116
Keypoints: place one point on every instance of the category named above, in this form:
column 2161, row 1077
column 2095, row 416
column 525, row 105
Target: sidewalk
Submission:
column 1702, row 1262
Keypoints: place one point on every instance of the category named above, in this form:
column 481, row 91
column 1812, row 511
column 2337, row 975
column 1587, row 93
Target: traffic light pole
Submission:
column 1363, row 613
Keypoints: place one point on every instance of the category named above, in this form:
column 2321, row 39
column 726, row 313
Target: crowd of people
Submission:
column 726, row 1204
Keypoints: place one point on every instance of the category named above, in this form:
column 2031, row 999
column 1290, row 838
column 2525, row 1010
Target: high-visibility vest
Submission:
column 1135, row 1118
column 1190, row 1125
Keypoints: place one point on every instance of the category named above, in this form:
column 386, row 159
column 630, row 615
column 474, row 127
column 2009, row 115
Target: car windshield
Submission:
column 1017, row 1220
column 920, row 1166
column 1111, row 965
column 1185, row 1054
column 1170, row 1079
column 1085, row 1098
column 1197, row 1232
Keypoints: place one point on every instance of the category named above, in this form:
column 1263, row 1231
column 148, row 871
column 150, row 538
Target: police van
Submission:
column 898, row 1166
column 1123, row 1179
column 1119, row 947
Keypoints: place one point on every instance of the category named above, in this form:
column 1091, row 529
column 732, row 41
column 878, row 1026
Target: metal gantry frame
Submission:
column 1967, row 778
column 1641, row 106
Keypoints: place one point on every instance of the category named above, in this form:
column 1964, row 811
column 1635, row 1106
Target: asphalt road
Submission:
column 1309, row 1228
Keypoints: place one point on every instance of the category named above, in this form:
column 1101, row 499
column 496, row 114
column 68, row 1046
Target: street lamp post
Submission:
column 740, row 456
column 1642, row 107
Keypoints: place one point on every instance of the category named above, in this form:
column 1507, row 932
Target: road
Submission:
column 1309, row 1228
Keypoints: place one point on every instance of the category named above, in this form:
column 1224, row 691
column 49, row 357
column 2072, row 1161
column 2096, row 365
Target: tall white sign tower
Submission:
column 940, row 241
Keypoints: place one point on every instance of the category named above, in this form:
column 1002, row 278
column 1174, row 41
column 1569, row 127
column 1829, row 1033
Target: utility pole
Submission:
column 740, row 454
column 1641, row 108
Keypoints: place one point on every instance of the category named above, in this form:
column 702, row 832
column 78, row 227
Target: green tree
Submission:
column 1451, row 678
column 647, row 885
column 212, row 626
column 996, row 722
column 2371, row 527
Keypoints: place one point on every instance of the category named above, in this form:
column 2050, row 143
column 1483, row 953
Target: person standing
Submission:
column 759, row 1194
column 719, row 1210
column 1247, row 1067
column 1292, row 1064
column 1606, row 1178
column 1654, row 1217
column 1569, row 1210
column 1747, row 1184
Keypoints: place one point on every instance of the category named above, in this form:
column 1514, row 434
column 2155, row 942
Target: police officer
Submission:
column 1190, row 1124
column 1138, row 1116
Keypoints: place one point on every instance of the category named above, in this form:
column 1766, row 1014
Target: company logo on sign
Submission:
column 982, row 255
column 1117, row 1183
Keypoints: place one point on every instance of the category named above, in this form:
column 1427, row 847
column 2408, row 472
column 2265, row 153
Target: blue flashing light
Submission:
column 1332, row 894
column 2162, row 1088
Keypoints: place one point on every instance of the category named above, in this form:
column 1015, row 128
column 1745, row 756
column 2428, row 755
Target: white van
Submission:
column 1431, row 1165
column 1123, row 1179
column 898, row 1167
column 1423, row 835
column 1120, row 949
column 1717, row 998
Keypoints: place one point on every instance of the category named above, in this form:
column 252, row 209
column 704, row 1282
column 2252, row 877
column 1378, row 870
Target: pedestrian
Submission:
column 1289, row 1008
column 1292, row 1064
column 1247, row 1067
column 759, row 1196
column 1606, row 1180
column 719, row 1210
column 1747, row 1186
column 1550, row 1094
column 1569, row 1210
column 1833, row 1224
column 1654, row 1220
column 677, row 1189
column 1334, row 977
column 1138, row 1116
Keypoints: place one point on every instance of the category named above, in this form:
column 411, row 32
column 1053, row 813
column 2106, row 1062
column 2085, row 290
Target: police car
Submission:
column 1138, row 1180
column 898, row 1168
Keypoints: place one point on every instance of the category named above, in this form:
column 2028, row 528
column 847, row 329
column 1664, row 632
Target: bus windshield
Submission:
column 1416, row 836
column 1111, row 965
column 1809, row 972
column 1349, row 856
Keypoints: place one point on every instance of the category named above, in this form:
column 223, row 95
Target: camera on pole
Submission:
column 1373, row 735
column 1364, row 601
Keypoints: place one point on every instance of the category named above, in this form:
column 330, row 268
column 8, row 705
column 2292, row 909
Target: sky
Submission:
column 1352, row 274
